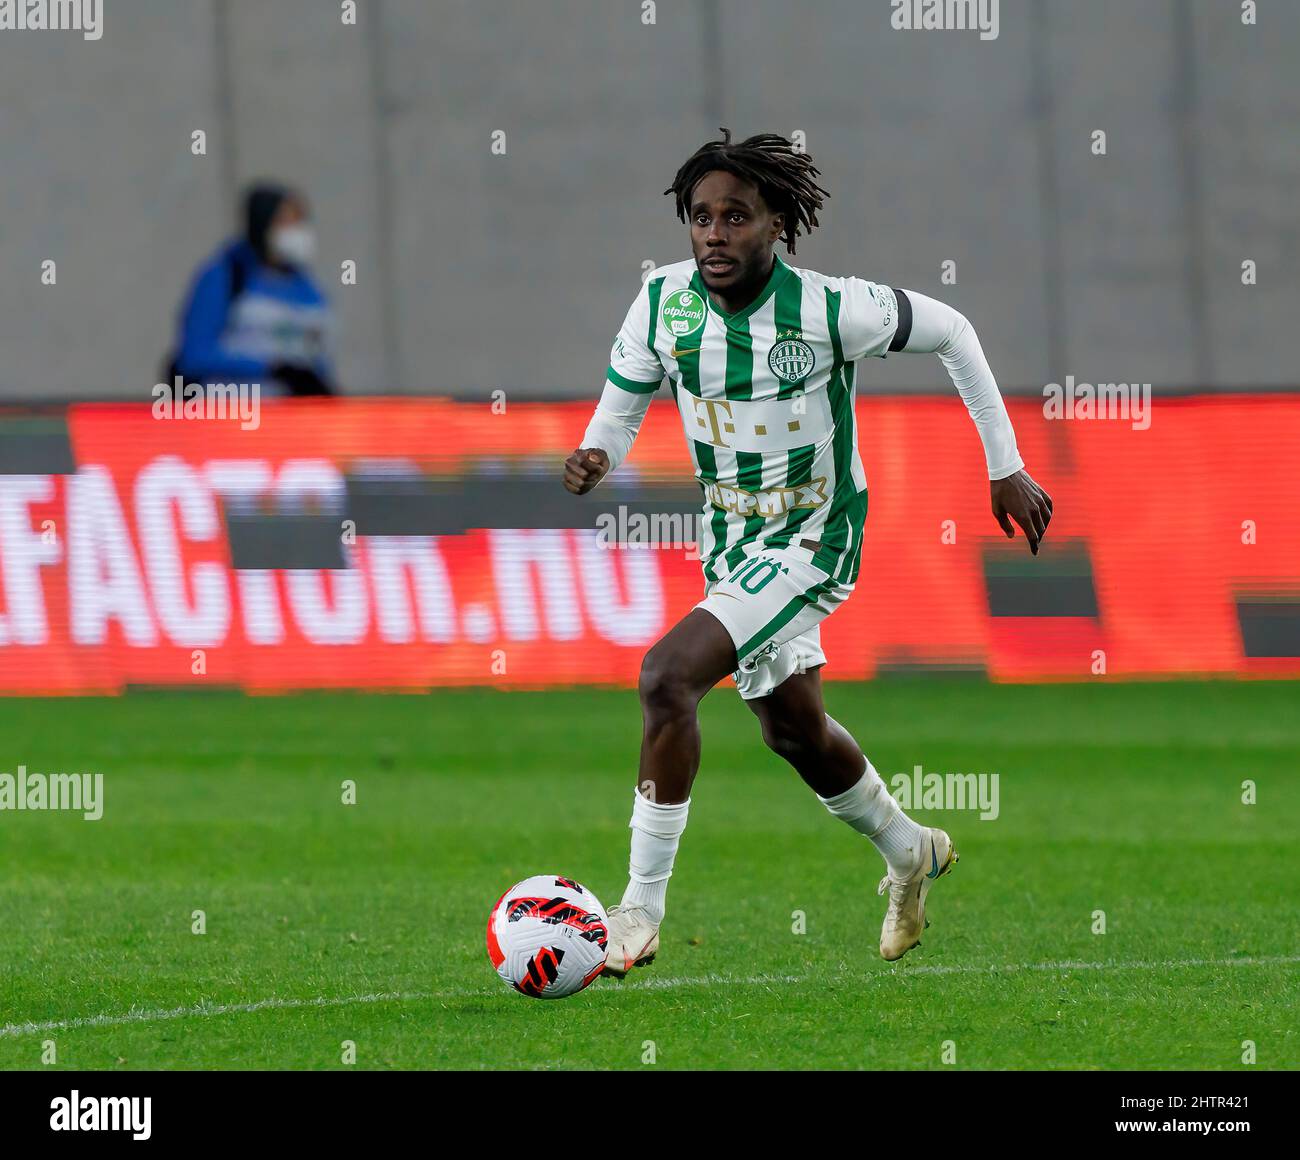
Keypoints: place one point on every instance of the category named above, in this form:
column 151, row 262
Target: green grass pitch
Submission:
column 328, row 923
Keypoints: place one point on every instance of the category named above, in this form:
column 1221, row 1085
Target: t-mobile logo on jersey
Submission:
column 922, row 15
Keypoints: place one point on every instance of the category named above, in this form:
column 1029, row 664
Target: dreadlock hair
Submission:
column 784, row 177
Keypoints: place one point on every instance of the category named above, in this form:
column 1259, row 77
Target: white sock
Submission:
column 656, row 830
column 872, row 810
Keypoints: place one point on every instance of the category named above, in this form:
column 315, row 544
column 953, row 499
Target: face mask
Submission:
column 294, row 245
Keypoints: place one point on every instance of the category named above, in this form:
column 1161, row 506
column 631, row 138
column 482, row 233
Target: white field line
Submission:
column 1069, row 965
column 648, row 983
column 652, row 983
column 10, row 1030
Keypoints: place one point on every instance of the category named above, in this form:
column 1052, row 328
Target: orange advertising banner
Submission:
column 412, row 544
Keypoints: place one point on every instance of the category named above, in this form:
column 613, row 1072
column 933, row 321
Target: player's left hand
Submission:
column 1019, row 498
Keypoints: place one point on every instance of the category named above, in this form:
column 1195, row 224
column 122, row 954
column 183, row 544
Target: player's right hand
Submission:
column 585, row 468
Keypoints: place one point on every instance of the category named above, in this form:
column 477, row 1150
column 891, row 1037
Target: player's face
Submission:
column 732, row 232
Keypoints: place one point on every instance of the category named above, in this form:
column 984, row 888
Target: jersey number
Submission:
column 756, row 576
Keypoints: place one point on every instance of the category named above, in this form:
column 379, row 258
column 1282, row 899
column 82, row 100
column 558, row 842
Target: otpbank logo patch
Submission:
column 683, row 313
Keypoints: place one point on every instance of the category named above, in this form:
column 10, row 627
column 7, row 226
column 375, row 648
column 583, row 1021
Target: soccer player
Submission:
column 760, row 357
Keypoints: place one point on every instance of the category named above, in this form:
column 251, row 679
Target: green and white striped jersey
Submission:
column 766, row 399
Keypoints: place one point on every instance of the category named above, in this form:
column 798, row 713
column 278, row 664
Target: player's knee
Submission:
column 663, row 688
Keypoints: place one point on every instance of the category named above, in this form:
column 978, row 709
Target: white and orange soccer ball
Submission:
column 546, row 937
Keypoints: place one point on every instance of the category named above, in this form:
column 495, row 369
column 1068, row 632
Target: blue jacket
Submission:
column 242, row 317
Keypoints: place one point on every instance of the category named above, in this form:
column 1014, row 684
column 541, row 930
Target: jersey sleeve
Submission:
column 614, row 426
column 870, row 319
column 633, row 364
column 934, row 327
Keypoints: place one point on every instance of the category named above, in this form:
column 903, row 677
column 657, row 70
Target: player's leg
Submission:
column 797, row 727
column 676, row 673
column 765, row 599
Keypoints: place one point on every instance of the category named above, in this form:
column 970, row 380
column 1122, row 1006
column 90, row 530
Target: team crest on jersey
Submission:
column 791, row 359
column 683, row 313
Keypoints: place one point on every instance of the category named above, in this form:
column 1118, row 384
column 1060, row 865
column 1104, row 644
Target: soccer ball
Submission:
column 546, row 937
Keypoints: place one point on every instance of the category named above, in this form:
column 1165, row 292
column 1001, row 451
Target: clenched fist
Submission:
column 585, row 468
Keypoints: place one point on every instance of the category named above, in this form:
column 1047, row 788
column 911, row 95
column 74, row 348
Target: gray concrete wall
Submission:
column 479, row 271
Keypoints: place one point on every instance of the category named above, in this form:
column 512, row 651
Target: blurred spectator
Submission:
column 254, row 313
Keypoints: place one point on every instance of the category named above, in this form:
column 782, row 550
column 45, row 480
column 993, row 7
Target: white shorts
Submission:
column 772, row 605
